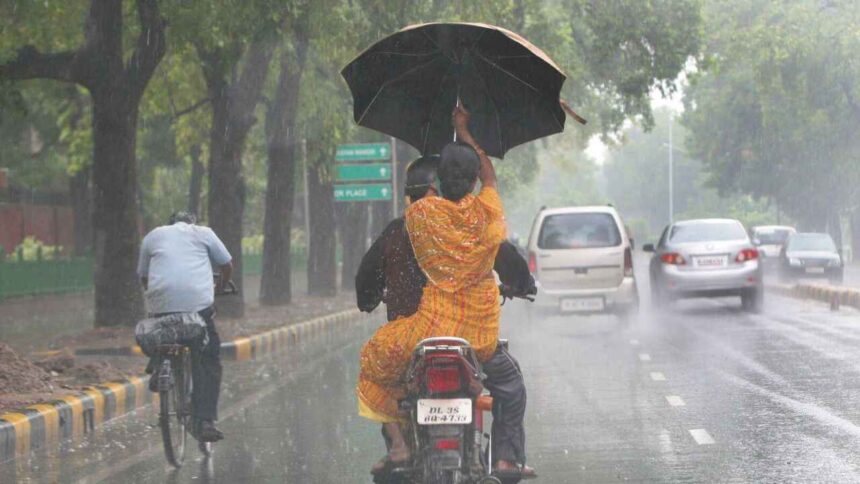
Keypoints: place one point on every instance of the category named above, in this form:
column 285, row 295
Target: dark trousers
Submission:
column 505, row 383
column 206, row 372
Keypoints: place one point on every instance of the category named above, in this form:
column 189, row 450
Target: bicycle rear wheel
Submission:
column 173, row 385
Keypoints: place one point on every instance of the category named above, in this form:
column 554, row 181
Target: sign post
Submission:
column 366, row 173
column 363, row 192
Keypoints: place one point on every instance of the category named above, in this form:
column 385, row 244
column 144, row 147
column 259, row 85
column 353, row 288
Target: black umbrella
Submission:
column 407, row 84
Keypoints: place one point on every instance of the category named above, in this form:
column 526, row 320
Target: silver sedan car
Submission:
column 706, row 258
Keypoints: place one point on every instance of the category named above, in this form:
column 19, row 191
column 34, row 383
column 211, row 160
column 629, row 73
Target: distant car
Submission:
column 582, row 260
column 811, row 255
column 770, row 239
column 706, row 258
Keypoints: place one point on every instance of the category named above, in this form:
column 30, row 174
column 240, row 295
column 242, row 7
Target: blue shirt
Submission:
column 177, row 260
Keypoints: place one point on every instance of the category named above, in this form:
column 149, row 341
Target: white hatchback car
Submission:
column 582, row 260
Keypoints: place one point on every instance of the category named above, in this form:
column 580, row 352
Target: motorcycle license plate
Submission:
column 434, row 411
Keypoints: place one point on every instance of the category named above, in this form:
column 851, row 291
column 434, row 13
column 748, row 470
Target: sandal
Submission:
column 386, row 466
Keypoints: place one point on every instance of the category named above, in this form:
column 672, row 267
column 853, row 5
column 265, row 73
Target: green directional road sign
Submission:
column 363, row 152
column 362, row 193
column 369, row 172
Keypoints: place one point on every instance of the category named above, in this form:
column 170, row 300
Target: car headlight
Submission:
column 794, row 262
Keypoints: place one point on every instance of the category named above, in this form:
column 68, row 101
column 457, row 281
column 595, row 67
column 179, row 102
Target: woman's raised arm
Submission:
column 460, row 120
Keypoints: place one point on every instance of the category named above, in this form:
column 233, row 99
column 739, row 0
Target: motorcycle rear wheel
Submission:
column 439, row 477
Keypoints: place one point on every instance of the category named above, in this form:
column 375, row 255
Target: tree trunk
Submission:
column 79, row 188
column 226, row 194
column 353, row 236
column 322, row 267
column 232, row 118
column 834, row 223
column 195, row 185
column 116, row 88
column 118, row 298
column 275, row 285
column 855, row 233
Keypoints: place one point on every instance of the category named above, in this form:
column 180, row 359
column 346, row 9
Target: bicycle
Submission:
column 175, row 386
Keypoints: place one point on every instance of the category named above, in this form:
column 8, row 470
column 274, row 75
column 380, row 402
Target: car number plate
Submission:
column 444, row 411
column 708, row 262
column 815, row 270
column 582, row 304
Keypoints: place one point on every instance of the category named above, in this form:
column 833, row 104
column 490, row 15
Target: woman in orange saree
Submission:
column 455, row 239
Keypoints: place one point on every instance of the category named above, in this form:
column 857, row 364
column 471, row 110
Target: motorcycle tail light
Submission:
column 443, row 379
column 747, row 254
column 447, row 444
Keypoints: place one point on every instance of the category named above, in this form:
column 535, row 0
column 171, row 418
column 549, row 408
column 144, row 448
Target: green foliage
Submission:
column 774, row 113
column 31, row 249
column 637, row 174
column 614, row 53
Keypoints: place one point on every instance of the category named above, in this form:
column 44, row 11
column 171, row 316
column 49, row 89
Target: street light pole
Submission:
column 671, row 174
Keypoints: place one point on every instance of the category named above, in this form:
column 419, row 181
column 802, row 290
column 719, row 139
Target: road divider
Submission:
column 834, row 295
column 74, row 416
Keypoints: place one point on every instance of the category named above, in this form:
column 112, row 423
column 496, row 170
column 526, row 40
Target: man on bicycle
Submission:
column 175, row 268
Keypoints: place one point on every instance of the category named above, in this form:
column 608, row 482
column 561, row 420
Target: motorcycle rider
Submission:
column 175, row 269
column 391, row 272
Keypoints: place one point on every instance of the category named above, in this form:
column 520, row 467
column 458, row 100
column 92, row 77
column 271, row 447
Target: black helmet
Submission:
column 420, row 175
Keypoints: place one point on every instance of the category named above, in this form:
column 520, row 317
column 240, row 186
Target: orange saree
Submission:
column 455, row 244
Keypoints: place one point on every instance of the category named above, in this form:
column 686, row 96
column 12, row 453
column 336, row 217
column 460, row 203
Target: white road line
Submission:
column 702, row 437
column 634, row 342
column 822, row 414
column 675, row 401
column 644, row 357
column 657, row 376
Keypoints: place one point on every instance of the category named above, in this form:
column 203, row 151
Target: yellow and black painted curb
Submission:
column 248, row 347
column 73, row 416
column 69, row 416
column 841, row 296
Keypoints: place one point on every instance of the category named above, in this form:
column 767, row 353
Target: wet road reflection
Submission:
column 704, row 393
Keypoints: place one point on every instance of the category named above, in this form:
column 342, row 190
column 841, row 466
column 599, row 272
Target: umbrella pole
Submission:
column 457, row 105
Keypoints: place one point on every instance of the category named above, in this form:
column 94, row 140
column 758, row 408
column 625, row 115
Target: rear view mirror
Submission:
column 648, row 248
column 756, row 242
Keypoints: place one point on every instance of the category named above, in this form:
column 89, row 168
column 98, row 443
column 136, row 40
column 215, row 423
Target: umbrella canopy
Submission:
column 407, row 84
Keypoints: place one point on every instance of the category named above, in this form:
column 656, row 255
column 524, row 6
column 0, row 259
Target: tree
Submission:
column 772, row 112
column 282, row 140
column 116, row 85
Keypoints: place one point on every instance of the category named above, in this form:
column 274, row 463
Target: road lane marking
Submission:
column 657, row 376
column 702, row 437
column 822, row 414
column 644, row 357
column 634, row 342
column 675, row 401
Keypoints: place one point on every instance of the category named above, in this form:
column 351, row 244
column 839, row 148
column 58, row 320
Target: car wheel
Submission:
column 752, row 299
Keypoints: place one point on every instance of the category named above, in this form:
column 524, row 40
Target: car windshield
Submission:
column 706, row 232
column 579, row 231
column 773, row 237
column 816, row 242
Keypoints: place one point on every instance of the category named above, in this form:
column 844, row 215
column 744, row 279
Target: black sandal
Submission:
column 388, row 466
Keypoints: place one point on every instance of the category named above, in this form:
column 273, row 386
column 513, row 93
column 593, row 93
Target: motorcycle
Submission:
column 446, row 408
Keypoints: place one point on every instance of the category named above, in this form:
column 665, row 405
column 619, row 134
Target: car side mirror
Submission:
column 648, row 248
column 756, row 242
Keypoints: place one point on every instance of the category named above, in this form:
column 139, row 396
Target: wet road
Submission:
column 705, row 393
